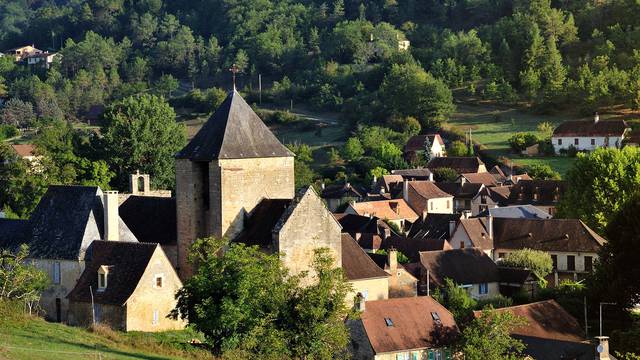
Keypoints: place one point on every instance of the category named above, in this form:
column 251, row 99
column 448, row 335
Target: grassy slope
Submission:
column 492, row 126
column 35, row 339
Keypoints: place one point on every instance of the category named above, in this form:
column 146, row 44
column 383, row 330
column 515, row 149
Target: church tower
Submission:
column 231, row 164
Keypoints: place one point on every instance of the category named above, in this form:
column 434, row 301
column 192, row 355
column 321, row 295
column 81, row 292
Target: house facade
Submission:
column 418, row 145
column 395, row 211
column 368, row 281
column 589, row 135
column 425, row 197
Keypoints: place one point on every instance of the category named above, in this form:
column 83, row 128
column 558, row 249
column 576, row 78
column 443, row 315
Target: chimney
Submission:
column 111, row 217
column 405, row 190
column 490, row 226
column 452, row 228
column 360, row 302
column 430, row 176
column 602, row 349
column 374, row 182
column 322, row 186
column 596, row 117
column 392, row 259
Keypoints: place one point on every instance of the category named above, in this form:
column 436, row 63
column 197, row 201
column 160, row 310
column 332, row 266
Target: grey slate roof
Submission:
column 151, row 219
column 234, row 131
column 12, row 233
column 516, row 212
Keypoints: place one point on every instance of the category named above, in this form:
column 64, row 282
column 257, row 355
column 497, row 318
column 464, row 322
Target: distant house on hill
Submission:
column 44, row 59
column 22, row 52
column 418, row 145
column 461, row 165
column 339, row 195
column 590, row 134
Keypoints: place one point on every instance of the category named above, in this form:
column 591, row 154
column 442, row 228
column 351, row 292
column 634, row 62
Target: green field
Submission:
column 35, row 339
column 492, row 127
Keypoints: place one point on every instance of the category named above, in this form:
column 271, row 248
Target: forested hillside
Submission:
column 343, row 56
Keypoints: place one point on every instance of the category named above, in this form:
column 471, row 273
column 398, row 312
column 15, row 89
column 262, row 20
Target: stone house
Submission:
column 44, row 59
column 425, row 198
column 550, row 332
column 20, row 53
column 470, row 269
column 543, row 194
column 59, row 232
column 367, row 231
column 339, row 195
column 590, row 134
column 418, row 145
column 403, row 328
column 434, row 226
column 395, row 211
column 461, row 164
column 573, row 246
column 401, row 282
column 469, row 198
column 128, row 286
column 414, row 174
column 368, row 281
column 473, row 233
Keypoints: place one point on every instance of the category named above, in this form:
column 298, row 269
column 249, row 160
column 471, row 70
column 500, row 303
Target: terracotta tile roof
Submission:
column 127, row 263
column 234, row 131
column 536, row 192
column 476, row 229
column 413, row 174
column 357, row 265
column 151, row 219
column 428, row 190
column 591, row 128
column 464, row 266
column 412, row 324
column 396, row 209
column 568, row 235
column 460, row 164
column 412, row 247
column 389, row 183
column 417, row 142
column 460, row 191
column 486, row 178
column 24, row 150
column 545, row 320
column 499, row 194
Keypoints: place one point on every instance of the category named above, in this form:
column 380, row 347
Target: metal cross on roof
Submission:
column 234, row 70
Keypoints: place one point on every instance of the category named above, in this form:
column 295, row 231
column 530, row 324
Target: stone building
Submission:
column 128, row 286
column 231, row 165
column 368, row 281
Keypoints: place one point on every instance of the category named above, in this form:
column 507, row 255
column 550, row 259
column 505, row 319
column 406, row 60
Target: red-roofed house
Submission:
column 589, row 135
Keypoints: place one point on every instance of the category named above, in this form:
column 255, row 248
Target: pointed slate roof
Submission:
column 234, row 131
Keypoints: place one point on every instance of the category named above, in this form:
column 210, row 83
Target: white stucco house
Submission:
column 590, row 134
column 417, row 145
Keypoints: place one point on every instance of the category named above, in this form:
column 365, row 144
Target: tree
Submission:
column 247, row 304
column 546, row 129
column 520, row 141
column 445, row 174
column 539, row 262
column 457, row 300
column 352, row 149
column 542, row 172
column 458, row 148
column 598, row 184
column 488, row 337
column 303, row 152
column 554, row 74
column 427, row 150
column 141, row 133
column 617, row 273
column 19, row 278
column 166, row 84
column 303, row 174
column 17, row 113
column 408, row 90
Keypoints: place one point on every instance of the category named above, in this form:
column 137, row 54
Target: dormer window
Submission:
column 103, row 273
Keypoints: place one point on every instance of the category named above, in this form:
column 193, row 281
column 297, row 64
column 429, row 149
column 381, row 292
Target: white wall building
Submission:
column 589, row 135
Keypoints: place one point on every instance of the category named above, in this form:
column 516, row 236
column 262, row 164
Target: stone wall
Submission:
column 308, row 226
column 70, row 272
column 80, row 314
column 148, row 298
column 371, row 289
column 402, row 283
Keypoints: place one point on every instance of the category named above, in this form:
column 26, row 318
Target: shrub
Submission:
column 445, row 174
column 495, row 302
column 546, row 148
column 458, row 148
column 8, row 131
column 572, row 151
column 520, row 141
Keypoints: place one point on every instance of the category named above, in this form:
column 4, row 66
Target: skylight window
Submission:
column 436, row 317
column 388, row 322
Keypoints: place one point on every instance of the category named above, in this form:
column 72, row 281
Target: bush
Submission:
column 445, row 174
column 495, row 302
column 546, row 148
column 8, row 131
column 520, row 141
column 203, row 101
column 458, row 148
column 572, row 151
column 542, row 172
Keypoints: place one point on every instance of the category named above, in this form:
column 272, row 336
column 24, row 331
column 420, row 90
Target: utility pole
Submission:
column 260, row 87
column 603, row 303
column 428, row 284
column 586, row 324
column 93, row 306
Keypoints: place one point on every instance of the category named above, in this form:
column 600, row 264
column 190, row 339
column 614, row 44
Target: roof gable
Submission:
column 234, row 131
column 151, row 219
column 464, row 266
column 357, row 265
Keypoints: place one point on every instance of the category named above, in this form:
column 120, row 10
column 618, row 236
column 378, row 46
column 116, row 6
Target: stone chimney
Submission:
column 452, row 228
column 405, row 190
column 392, row 259
column 322, row 186
column 596, row 117
column 431, row 176
column 490, row 226
column 111, row 217
column 602, row 349
column 374, row 182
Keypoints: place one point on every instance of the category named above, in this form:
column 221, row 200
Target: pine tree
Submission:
column 554, row 72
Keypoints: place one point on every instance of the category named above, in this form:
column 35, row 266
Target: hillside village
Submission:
column 119, row 258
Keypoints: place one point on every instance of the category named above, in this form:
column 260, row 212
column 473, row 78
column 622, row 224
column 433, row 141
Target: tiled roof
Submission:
column 485, row 178
column 390, row 183
column 24, row 150
column 413, row 174
column 509, row 275
column 499, row 194
column 460, row 191
column 151, row 219
column 516, row 212
column 412, row 247
column 463, row 266
column 357, row 265
column 460, row 164
column 569, row 235
column 338, row 191
column 434, row 226
column 536, row 192
column 126, row 261
column 234, row 131
column 428, row 190
column 395, row 209
column 591, row 128
column 352, row 223
column 545, row 320
column 12, row 233
column 417, row 142
column 412, row 324
column 476, row 229
column 261, row 221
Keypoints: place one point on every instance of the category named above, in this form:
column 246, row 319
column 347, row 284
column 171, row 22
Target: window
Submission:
column 388, row 322
column 159, row 281
column 436, row 317
column 97, row 312
column 559, row 141
column 593, row 141
column 415, row 355
column 56, row 273
column 431, row 205
column 448, row 204
column 571, row 263
column 461, row 244
column 588, row 263
column 484, row 289
column 554, row 260
column 365, row 293
column 155, row 317
column 501, row 255
column 402, row 356
column 102, row 281
column 576, row 141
